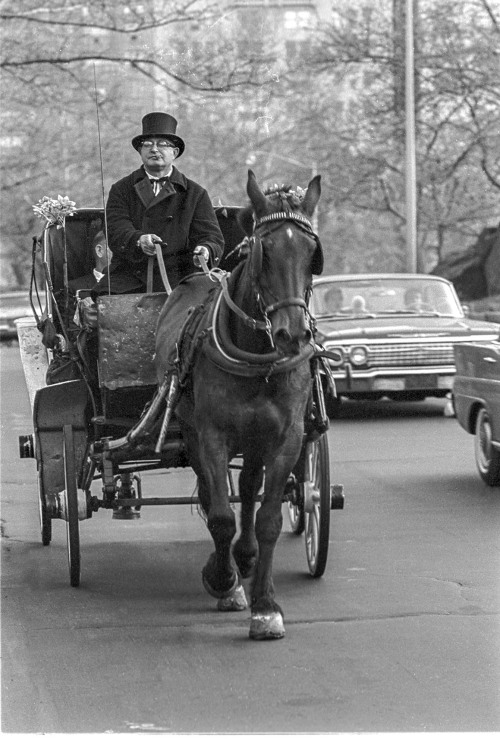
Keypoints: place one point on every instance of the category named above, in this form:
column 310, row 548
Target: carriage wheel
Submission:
column 45, row 520
column 295, row 505
column 317, row 505
column 72, row 527
column 296, row 517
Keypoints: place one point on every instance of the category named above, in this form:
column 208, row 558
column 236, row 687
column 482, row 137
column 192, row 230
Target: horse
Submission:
column 244, row 355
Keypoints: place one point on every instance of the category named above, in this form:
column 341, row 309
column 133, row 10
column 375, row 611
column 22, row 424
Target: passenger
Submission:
column 358, row 304
column 82, row 288
column 333, row 300
column 83, row 318
column 414, row 300
column 157, row 203
column 101, row 257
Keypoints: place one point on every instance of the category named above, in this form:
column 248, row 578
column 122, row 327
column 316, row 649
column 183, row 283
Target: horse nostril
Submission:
column 283, row 335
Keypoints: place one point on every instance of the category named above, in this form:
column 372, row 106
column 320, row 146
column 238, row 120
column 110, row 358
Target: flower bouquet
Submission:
column 54, row 211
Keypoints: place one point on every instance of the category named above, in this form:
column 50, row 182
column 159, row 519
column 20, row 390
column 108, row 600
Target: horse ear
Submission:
column 312, row 196
column 256, row 195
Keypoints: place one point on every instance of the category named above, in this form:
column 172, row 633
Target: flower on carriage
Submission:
column 54, row 211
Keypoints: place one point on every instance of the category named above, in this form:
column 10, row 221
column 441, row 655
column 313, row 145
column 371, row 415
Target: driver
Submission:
column 157, row 203
column 414, row 300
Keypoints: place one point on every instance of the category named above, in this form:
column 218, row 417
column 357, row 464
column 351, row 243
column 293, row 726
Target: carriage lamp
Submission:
column 358, row 356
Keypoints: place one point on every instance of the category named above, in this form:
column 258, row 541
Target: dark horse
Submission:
column 246, row 384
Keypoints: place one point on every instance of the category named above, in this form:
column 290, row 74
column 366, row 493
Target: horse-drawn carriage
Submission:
column 221, row 375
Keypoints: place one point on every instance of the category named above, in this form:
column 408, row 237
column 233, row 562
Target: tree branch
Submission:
column 140, row 64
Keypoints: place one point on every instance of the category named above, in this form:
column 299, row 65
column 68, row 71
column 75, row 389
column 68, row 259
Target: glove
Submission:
column 200, row 251
column 147, row 243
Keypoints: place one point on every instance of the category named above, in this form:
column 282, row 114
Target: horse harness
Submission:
column 207, row 324
column 255, row 262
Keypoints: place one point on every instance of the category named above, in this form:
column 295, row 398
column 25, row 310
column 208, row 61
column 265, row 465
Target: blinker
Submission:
column 318, row 258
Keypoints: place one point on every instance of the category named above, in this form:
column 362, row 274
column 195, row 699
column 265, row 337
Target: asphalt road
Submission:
column 400, row 635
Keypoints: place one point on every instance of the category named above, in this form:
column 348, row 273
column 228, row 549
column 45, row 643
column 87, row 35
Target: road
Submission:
column 400, row 635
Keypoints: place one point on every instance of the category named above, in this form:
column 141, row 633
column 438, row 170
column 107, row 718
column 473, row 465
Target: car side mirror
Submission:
column 466, row 310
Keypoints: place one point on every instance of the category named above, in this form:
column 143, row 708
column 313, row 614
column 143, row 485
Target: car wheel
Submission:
column 487, row 456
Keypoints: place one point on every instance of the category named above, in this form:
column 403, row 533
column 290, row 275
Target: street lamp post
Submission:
column 411, row 167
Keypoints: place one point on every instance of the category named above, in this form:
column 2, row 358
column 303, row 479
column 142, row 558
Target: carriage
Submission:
column 111, row 418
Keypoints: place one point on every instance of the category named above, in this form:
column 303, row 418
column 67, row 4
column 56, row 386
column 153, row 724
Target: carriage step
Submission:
column 337, row 496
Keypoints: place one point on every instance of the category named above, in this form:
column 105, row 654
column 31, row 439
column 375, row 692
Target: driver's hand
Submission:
column 198, row 252
column 147, row 243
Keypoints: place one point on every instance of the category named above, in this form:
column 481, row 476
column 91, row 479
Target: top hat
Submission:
column 159, row 124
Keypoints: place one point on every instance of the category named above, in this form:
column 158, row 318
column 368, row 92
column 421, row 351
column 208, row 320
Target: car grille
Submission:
column 406, row 355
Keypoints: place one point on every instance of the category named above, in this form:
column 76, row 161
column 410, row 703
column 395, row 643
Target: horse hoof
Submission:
column 267, row 626
column 236, row 601
column 218, row 593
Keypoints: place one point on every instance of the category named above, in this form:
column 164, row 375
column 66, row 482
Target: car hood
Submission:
column 389, row 327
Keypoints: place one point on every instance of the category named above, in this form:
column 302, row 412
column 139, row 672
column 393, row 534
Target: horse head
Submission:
column 284, row 254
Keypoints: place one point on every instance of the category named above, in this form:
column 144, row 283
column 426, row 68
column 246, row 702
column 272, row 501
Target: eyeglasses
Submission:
column 160, row 144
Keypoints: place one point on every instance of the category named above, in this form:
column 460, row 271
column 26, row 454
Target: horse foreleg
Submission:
column 235, row 599
column 246, row 549
column 267, row 616
column 220, row 578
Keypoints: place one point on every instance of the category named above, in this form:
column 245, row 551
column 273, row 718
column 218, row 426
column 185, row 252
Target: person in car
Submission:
column 414, row 301
column 358, row 304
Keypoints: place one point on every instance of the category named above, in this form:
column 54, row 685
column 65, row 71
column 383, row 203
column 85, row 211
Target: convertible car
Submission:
column 394, row 334
column 476, row 395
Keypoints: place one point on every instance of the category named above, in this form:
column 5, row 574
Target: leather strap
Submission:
column 163, row 272
column 149, row 282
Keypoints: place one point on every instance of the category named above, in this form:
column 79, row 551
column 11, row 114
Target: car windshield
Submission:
column 370, row 297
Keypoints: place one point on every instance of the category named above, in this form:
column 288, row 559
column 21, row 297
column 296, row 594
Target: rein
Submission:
column 221, row 350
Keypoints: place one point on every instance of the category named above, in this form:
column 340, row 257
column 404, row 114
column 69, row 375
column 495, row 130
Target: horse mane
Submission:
column 284, row 198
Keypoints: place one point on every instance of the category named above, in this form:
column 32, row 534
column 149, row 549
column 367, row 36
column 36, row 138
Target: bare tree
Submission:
column 457, row 110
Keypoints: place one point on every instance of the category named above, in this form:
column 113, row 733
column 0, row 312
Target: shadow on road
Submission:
column 387, row 409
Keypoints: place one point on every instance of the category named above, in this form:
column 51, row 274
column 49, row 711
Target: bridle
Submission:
column 262, row 229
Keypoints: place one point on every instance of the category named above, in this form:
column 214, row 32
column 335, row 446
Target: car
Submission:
column 391, row 335
column 13, row 305
column 476, row 398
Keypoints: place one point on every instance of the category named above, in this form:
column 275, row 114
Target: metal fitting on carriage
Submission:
column 312, row 496
column 26, row 446
column 337, row 496
column 57, row 506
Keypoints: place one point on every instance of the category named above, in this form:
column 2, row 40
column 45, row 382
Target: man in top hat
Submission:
column 157, row 203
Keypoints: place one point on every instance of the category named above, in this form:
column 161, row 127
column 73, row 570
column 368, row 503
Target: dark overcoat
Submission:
column 181, row 214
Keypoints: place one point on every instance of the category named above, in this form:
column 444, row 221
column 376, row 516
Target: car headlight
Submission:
column 358, row 355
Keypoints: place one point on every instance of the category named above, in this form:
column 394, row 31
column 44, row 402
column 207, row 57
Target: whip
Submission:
column 102, row 176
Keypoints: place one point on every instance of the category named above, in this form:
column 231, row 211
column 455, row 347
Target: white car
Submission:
column 395, row 334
